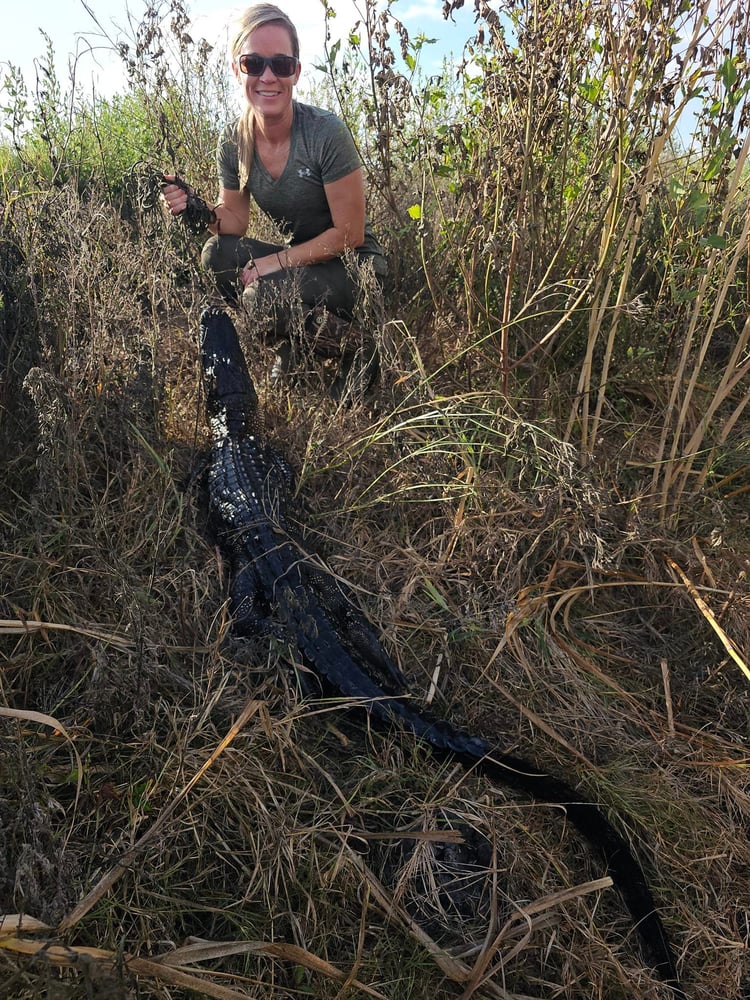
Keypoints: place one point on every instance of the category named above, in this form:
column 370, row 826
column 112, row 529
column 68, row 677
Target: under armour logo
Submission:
column 304, row 172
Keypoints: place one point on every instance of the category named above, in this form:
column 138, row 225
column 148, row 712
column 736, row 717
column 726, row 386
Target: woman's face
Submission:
column 268, row 94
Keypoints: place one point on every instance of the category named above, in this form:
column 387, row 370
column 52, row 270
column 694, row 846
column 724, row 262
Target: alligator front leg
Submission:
column 250, row 611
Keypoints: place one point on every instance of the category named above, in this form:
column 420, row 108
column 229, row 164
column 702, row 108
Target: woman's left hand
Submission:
column 259, row 268
column 249, row 273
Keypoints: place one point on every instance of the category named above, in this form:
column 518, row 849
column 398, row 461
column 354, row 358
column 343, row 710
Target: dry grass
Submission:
column 181, row 821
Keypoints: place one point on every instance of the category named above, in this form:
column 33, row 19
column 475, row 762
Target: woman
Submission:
column 300, row 165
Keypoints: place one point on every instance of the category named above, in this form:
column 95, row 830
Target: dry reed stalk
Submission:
column 17, row 923
column 106, row 882
column 708, row 614
column 454, row 969
column 524, row 917
column 668, row 467
column 29, row 626
column 175, row 968
column 204, row 951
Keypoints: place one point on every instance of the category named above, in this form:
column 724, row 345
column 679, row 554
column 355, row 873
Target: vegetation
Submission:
column 543, row 506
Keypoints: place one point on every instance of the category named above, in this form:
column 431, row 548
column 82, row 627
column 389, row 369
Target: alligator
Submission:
column 275, row 584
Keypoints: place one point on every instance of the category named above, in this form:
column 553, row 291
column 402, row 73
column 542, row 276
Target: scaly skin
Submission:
column 274, row 580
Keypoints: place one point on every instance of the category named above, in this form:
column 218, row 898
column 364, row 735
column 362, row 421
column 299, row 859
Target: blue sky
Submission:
column 75, row 34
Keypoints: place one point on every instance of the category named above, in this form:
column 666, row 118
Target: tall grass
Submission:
column 580, row 201
column 543, row 507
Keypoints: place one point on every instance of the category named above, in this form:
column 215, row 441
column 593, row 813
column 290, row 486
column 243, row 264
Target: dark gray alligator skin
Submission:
column 274, row 583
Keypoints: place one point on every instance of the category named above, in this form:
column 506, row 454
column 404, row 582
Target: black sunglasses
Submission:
column 253, row 65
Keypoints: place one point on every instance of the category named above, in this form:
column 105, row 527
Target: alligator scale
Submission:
column 274, row 582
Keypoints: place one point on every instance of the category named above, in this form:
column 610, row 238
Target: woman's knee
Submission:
column 221, row 254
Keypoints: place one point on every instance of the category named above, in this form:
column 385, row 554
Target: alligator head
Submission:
column 231, row 400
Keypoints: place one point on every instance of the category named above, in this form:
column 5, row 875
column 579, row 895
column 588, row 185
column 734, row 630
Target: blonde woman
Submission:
column 300, row 165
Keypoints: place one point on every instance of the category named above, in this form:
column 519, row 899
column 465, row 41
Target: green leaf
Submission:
column 435, row 594
column 415, row 212
column 728, row 72
column 697, row 203
column 676, row 188
column 715, row 164
column 591, row 90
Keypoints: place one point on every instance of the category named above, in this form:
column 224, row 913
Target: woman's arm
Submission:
column 232, row 213
column 232, row 209
column 346, row 200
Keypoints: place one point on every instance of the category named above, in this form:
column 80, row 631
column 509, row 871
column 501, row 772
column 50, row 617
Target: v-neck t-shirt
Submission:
column 321, row 151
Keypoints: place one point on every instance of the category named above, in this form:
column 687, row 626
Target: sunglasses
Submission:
column 253, row 65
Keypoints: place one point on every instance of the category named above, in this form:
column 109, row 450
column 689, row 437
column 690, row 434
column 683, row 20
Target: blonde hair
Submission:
column 253, row 18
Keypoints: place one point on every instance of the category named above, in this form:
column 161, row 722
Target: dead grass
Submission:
column 186, row 824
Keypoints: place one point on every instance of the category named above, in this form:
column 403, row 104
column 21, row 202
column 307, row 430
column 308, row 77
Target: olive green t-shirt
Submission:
column 321, row 151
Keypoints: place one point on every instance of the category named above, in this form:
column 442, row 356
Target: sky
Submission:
column 77, row 37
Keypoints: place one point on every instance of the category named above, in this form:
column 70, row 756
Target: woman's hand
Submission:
column 249, row 273
column 260, row 267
